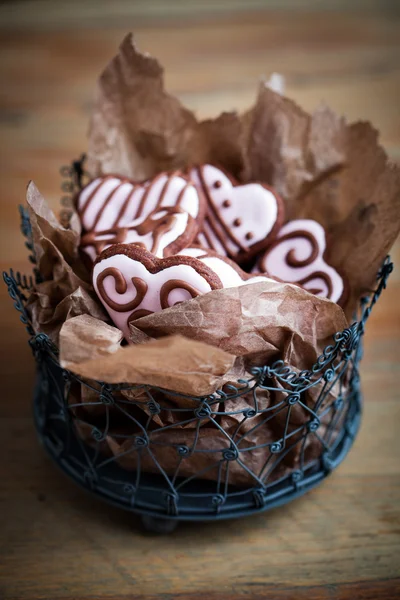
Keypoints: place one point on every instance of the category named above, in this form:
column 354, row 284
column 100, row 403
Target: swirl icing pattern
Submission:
column 241, row 220
column 297, row 256
column 132, row 282
column 111, row 201
column 163, row 233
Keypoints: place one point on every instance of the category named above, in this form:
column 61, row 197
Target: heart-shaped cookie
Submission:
column 163, row 233
column 241, row 220
column 297, row 256
column 112, row 201
column 230, row 274
column 132, row 283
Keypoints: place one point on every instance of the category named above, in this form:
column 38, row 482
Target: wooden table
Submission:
column 343, row 539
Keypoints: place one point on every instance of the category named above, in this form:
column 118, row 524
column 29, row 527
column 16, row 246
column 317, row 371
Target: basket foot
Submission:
column 158, row 524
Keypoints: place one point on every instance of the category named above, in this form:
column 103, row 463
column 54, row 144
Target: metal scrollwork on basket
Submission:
column 74, row 176
column 17, row 284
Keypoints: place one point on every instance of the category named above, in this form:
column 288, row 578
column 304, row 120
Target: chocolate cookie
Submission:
column 132, row 283
column 297, row 256
column 112, row 201
column 241, row 220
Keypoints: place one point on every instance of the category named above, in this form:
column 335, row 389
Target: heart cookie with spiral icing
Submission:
column 132, row 282
column 297, row 256
column 111, row 201
column 163, row 233
column 241, row 220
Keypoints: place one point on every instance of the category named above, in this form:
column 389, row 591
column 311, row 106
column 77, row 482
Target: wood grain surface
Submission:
column 341, row 541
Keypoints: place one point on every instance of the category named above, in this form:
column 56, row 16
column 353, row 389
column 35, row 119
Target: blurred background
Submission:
column 345, row 53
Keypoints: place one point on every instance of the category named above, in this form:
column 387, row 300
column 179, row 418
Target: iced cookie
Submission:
column 297, row 256
column 163, row 233
column 230, row 274
column 241, row 220
column 111, row 201
column 132, row 283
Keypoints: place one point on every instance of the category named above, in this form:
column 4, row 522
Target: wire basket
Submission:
column 74, row 432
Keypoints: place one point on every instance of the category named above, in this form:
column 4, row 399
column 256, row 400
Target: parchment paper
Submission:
column 66, row 290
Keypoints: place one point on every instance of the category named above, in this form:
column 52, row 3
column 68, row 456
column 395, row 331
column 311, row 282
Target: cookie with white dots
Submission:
column 241, row 220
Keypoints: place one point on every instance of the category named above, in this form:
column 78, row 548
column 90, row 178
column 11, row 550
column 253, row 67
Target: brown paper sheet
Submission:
column 55, row 247
column 333, row 172
column 175, row 363
column 65, row 291
column 137, row 129
column 261, row 322
column 84, row 338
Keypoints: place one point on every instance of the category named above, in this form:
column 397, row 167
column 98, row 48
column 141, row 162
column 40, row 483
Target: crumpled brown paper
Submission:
column 137, row 129
column 323, row 168
column 66, row 290
column 260, row 322
column 176, row 363
column 333, row 172
column 84, row 338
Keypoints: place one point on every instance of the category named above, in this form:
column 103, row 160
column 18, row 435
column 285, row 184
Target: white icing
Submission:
column 253, row 204
column 106, row 188
column 228, row 275
column 113, row 207
column 193, row 252
column 273, row 262
column 202, row 240
column 178, row 295
column 134, row 268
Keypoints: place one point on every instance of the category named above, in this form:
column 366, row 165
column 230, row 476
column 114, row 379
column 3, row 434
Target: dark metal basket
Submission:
column 331, row 419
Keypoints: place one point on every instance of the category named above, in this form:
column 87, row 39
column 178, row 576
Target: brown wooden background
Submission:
column 343, row 539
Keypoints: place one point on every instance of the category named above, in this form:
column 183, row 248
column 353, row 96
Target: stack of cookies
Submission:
column 153, row 244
